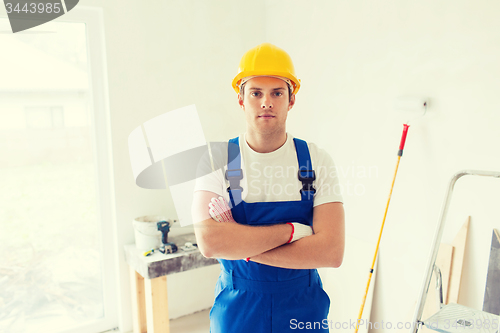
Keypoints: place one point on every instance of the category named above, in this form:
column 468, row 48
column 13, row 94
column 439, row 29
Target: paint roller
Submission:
column 409, row 109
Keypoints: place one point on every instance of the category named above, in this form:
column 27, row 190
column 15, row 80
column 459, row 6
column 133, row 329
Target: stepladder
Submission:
column 452, row 317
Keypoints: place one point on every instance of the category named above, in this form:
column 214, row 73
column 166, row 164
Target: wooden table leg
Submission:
column 157, row 305
column 138, row 302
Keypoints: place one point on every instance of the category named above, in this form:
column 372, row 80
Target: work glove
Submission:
column 219, row 210
column 299, row 231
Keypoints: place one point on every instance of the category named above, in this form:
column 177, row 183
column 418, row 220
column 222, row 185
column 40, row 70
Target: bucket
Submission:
column 147, row 235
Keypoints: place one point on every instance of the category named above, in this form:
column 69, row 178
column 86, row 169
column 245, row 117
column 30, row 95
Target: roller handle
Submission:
column 403, row 139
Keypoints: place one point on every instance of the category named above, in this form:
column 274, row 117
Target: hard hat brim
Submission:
column 237, row 78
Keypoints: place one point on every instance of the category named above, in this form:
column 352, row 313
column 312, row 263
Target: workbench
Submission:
column 148, row 277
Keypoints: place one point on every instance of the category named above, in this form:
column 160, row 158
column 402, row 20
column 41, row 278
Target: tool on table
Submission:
column 150, row 252
column 188, row 247
column 166, row 248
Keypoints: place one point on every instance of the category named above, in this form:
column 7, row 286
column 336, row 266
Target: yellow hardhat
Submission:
column 266, row 60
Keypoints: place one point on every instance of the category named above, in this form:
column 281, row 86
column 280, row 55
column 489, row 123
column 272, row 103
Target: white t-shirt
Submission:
column 269, row 177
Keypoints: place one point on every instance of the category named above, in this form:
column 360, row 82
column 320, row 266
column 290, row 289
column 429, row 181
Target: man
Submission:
column 283, row 223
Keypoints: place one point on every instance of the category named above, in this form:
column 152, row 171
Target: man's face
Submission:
column 266, row 104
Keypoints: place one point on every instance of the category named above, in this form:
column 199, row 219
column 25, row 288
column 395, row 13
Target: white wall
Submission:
column 354, row 58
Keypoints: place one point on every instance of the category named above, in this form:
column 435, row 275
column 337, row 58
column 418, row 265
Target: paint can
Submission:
column 147, row 235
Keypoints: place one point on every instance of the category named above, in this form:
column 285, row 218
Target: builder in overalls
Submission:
column 284, row 214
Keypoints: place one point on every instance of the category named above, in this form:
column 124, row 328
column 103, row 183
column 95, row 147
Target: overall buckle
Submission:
column 307, row 177
column 234, row 176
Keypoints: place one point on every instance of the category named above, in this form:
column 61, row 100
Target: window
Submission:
column 44, row 117
column 55, row 191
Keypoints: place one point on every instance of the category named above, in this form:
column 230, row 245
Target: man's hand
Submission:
column 232, row 241
column 325, row 248
column 299, row 231
column 219, row 210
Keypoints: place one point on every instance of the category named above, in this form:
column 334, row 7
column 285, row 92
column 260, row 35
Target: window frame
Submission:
column 100, row 122
column 98, row 99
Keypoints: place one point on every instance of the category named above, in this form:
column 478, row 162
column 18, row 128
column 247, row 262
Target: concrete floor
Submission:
column 198, row 322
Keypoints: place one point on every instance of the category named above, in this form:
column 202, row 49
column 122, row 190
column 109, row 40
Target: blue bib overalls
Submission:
column 253, row 297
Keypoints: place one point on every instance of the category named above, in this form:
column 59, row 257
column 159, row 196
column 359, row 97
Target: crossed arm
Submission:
column 267, row 244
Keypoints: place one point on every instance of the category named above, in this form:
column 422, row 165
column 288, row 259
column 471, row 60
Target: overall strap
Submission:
column 306, row 174
column 234, row 173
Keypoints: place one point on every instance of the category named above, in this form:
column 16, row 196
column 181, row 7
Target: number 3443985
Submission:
column 33, row 8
